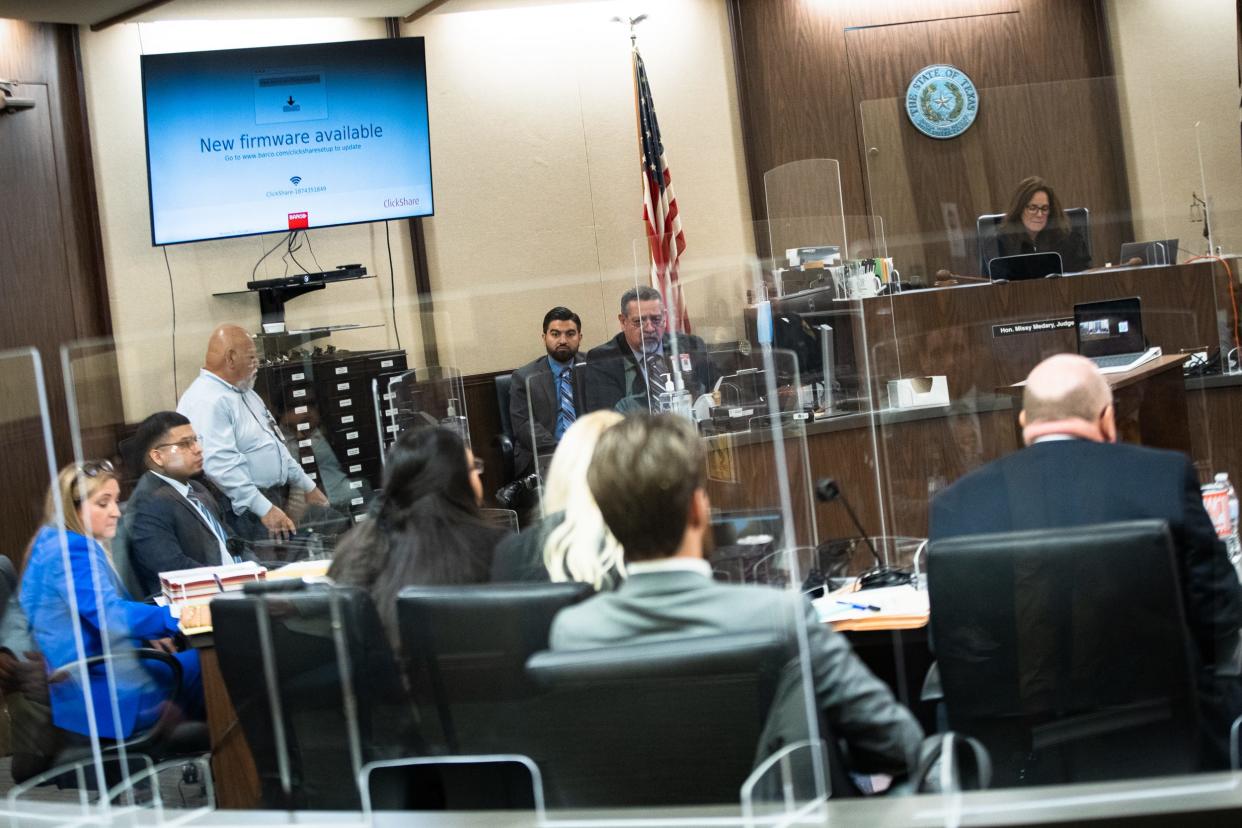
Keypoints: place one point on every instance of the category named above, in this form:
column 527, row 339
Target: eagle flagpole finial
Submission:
column 633, row 21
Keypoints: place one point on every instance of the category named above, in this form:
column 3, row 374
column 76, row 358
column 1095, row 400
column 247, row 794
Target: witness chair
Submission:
column 987, row 231
column 318, row 694
column 1066, row 651
column 674, row 722
column 465, row 651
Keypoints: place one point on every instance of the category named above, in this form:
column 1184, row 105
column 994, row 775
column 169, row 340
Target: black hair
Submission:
column 426, row 530
column 150, row 432
column 561, row 314
column 640, row 294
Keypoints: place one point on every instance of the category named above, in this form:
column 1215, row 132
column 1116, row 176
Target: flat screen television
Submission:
column 280, row 138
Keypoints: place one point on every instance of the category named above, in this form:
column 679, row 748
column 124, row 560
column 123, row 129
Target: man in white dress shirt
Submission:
column 244, row 453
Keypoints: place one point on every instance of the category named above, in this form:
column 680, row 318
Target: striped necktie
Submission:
column 565, row 414
column 216, row 528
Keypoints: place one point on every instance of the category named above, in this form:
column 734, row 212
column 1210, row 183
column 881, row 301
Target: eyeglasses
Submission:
column 185, row 445
column 477, row 466
column 1038, row 209
column 654, row 321
column 94, row 468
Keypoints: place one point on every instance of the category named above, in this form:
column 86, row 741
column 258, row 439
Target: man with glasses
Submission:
column 627, row 372
column 244, row 452
column 544, row 396
column 172, row 521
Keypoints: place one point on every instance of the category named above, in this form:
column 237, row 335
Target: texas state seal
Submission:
column 941, row 101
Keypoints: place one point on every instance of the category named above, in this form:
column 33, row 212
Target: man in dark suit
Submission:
column 629, row 370
column 544, row 398
column 1074, row 473
column 171, row 521
column 648, row 476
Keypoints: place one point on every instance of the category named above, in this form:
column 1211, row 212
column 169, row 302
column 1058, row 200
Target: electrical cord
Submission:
column 297, row 237
column 172, row 300
column 254, row 271
column 1233, row 300
column 311, row 248
column 392, row 286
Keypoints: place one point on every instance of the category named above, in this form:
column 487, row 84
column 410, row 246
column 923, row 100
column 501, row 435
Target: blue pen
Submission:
column 852, row 605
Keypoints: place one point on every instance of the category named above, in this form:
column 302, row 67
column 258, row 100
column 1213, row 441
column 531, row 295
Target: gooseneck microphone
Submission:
column 827, row 490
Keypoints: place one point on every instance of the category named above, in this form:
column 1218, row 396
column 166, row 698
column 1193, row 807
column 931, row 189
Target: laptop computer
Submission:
column 1162, row 252
column 1024, row 266
column 1110, row 334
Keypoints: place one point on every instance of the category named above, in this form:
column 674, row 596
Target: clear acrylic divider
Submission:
column 46, row 646
column 421, row 398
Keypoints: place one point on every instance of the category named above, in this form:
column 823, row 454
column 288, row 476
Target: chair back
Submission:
column 503, row 384
column 672, row 722
column 1066, row 651
column 465, row 649
column 316, row 688
column 123, row 562
column 8, row 582
column 987, row 231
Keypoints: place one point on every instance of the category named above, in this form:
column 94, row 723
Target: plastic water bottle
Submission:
column 1232, row 543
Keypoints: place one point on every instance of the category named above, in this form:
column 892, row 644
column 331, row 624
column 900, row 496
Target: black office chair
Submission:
column 707, row 698
column 987, row 229
column 318, row 693
column 465, row 649
column 1066, row 652
column 504, row 440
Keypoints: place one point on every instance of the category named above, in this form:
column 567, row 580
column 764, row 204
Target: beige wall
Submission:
column 538, row 196
column 1176, row 64
column 537, row 193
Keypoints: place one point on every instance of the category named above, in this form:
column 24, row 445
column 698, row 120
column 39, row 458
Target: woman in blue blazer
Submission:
column 76, row 604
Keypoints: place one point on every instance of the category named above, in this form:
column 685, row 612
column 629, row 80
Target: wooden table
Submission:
column 232, row 765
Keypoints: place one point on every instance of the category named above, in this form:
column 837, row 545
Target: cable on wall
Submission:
column 392, row 286
column 172, row 300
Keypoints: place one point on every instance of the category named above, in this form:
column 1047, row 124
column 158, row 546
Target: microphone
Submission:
column 827, row 490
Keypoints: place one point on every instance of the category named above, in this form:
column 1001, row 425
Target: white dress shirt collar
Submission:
column 678, row 564
column 182, row 488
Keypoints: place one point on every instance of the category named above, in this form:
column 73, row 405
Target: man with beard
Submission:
column 544, row 398
column 244, row 453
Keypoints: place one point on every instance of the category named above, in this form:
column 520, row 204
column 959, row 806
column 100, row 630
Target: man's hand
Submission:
column 316, row 497
column 279, row 526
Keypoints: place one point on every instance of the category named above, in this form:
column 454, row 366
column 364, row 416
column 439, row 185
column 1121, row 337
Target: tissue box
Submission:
column 918, row 391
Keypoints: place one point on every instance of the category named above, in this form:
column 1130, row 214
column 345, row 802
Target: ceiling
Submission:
column 95, row 11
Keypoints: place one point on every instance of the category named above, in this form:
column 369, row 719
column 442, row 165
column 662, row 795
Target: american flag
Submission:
column 664, row 236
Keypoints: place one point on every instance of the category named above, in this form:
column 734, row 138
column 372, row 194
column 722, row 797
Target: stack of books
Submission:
column 199, row 585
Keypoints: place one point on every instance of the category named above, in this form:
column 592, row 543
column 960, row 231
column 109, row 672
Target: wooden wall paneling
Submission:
column 483, row 414
column 793, row 56
column 51, row 267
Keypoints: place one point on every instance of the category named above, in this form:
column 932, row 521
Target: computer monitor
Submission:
column 1025, row 266
column 1162, row 252
column 798, row 325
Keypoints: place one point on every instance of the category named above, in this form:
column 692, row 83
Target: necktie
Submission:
column 216, row 528
column 565, row 414
column 657, row 367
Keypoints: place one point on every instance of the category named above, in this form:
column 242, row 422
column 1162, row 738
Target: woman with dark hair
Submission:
column 426, row 528
column 1035, row 223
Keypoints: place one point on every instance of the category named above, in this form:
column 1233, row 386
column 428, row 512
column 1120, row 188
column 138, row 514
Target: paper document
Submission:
column 895, row 608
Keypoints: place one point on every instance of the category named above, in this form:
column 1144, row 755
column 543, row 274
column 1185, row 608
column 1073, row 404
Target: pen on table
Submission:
column 852, row 605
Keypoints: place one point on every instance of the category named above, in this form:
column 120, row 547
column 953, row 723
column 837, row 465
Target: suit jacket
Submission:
column 165, row 531
column 881, row 734
column 1066, row 483
column 533, row 406
column 606, row 367
column 103, row 610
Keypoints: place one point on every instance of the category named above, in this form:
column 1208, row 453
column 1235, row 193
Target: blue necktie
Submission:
column 211, row 521
column 565, row 414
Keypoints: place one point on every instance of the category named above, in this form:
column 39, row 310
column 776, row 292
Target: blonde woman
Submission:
column 571, row 543
column 68, row 583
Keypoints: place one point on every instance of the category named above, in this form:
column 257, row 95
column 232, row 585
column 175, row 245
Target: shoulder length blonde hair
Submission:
column 580, row 547
column 75, row 487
